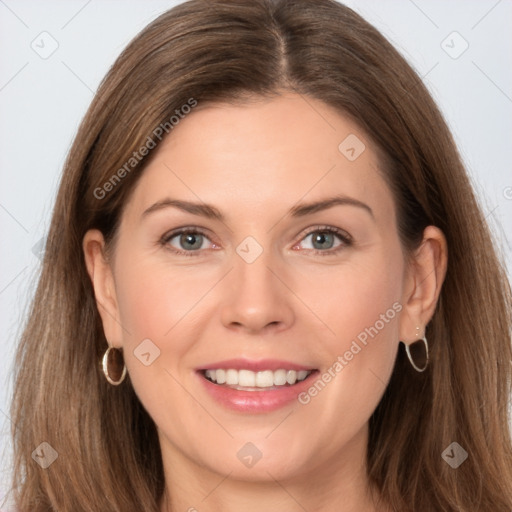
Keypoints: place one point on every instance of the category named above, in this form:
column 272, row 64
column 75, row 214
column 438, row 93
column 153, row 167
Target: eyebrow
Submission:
column 301, row 210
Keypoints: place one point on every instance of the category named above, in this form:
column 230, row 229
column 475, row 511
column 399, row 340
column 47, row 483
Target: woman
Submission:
column 258, row 367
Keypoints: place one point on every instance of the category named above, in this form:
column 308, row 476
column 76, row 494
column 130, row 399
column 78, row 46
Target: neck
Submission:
column 338, row 484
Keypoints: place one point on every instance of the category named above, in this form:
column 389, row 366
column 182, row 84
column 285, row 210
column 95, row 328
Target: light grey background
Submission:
column 42, row 101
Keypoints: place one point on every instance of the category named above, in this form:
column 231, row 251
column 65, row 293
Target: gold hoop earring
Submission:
column 113, row 355
column 417, row 353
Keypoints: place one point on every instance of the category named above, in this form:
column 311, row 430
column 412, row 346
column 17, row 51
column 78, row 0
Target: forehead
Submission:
column 263, row 153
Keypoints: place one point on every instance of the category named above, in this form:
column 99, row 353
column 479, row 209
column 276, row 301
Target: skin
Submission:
column 253, row 162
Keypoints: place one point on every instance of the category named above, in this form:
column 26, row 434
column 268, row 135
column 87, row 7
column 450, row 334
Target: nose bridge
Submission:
column 252, row 272
column 255, row 296
column 252, row 266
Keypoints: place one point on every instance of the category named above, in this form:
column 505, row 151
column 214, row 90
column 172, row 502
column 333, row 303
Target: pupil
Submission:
column 321, row 238
column 189, row 239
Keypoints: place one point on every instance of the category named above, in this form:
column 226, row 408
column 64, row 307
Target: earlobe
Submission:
column 102, row 279
column 425, row 277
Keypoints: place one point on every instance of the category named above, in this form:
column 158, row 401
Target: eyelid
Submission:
column 343, row 235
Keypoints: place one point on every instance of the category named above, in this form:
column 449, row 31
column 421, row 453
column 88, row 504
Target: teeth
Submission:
column 220, row 376
column 302, row 374
column 263, row 379
column 245, row 378
column 250, row 379
column 280, row 377
column 291, row 377
column 232, row 377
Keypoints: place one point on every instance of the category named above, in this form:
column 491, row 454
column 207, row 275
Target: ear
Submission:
column 100, row 272
column 424, row 279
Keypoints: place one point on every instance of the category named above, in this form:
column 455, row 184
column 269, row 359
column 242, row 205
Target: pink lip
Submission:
column 255, row 401
column 255, row 366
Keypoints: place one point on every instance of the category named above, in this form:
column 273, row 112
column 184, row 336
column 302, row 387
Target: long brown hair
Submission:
column 108, row 452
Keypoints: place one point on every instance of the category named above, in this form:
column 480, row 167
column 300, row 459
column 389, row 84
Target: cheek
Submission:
column 153, row 299
column 154, row 305
column 363, row 311
column 142, row 302
column 362, row 295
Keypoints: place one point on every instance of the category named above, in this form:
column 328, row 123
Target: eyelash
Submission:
column 342, row 235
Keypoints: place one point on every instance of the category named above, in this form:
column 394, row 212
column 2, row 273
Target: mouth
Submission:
column 255, row 386
column 248, row 380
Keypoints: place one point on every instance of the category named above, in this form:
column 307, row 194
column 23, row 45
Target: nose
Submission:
column 257, row 296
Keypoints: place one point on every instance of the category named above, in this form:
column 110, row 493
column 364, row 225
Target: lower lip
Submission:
column 255, row 401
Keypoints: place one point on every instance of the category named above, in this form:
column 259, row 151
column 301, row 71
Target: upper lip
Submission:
column 255, row 365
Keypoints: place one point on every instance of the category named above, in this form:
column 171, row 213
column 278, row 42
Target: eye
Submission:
column 186, row 241
column 323, row 239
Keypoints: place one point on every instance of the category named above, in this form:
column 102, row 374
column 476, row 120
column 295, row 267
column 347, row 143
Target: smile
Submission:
column 249, row 386
column 249, row 380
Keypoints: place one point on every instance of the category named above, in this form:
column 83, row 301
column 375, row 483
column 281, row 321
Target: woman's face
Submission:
column 292, row 267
